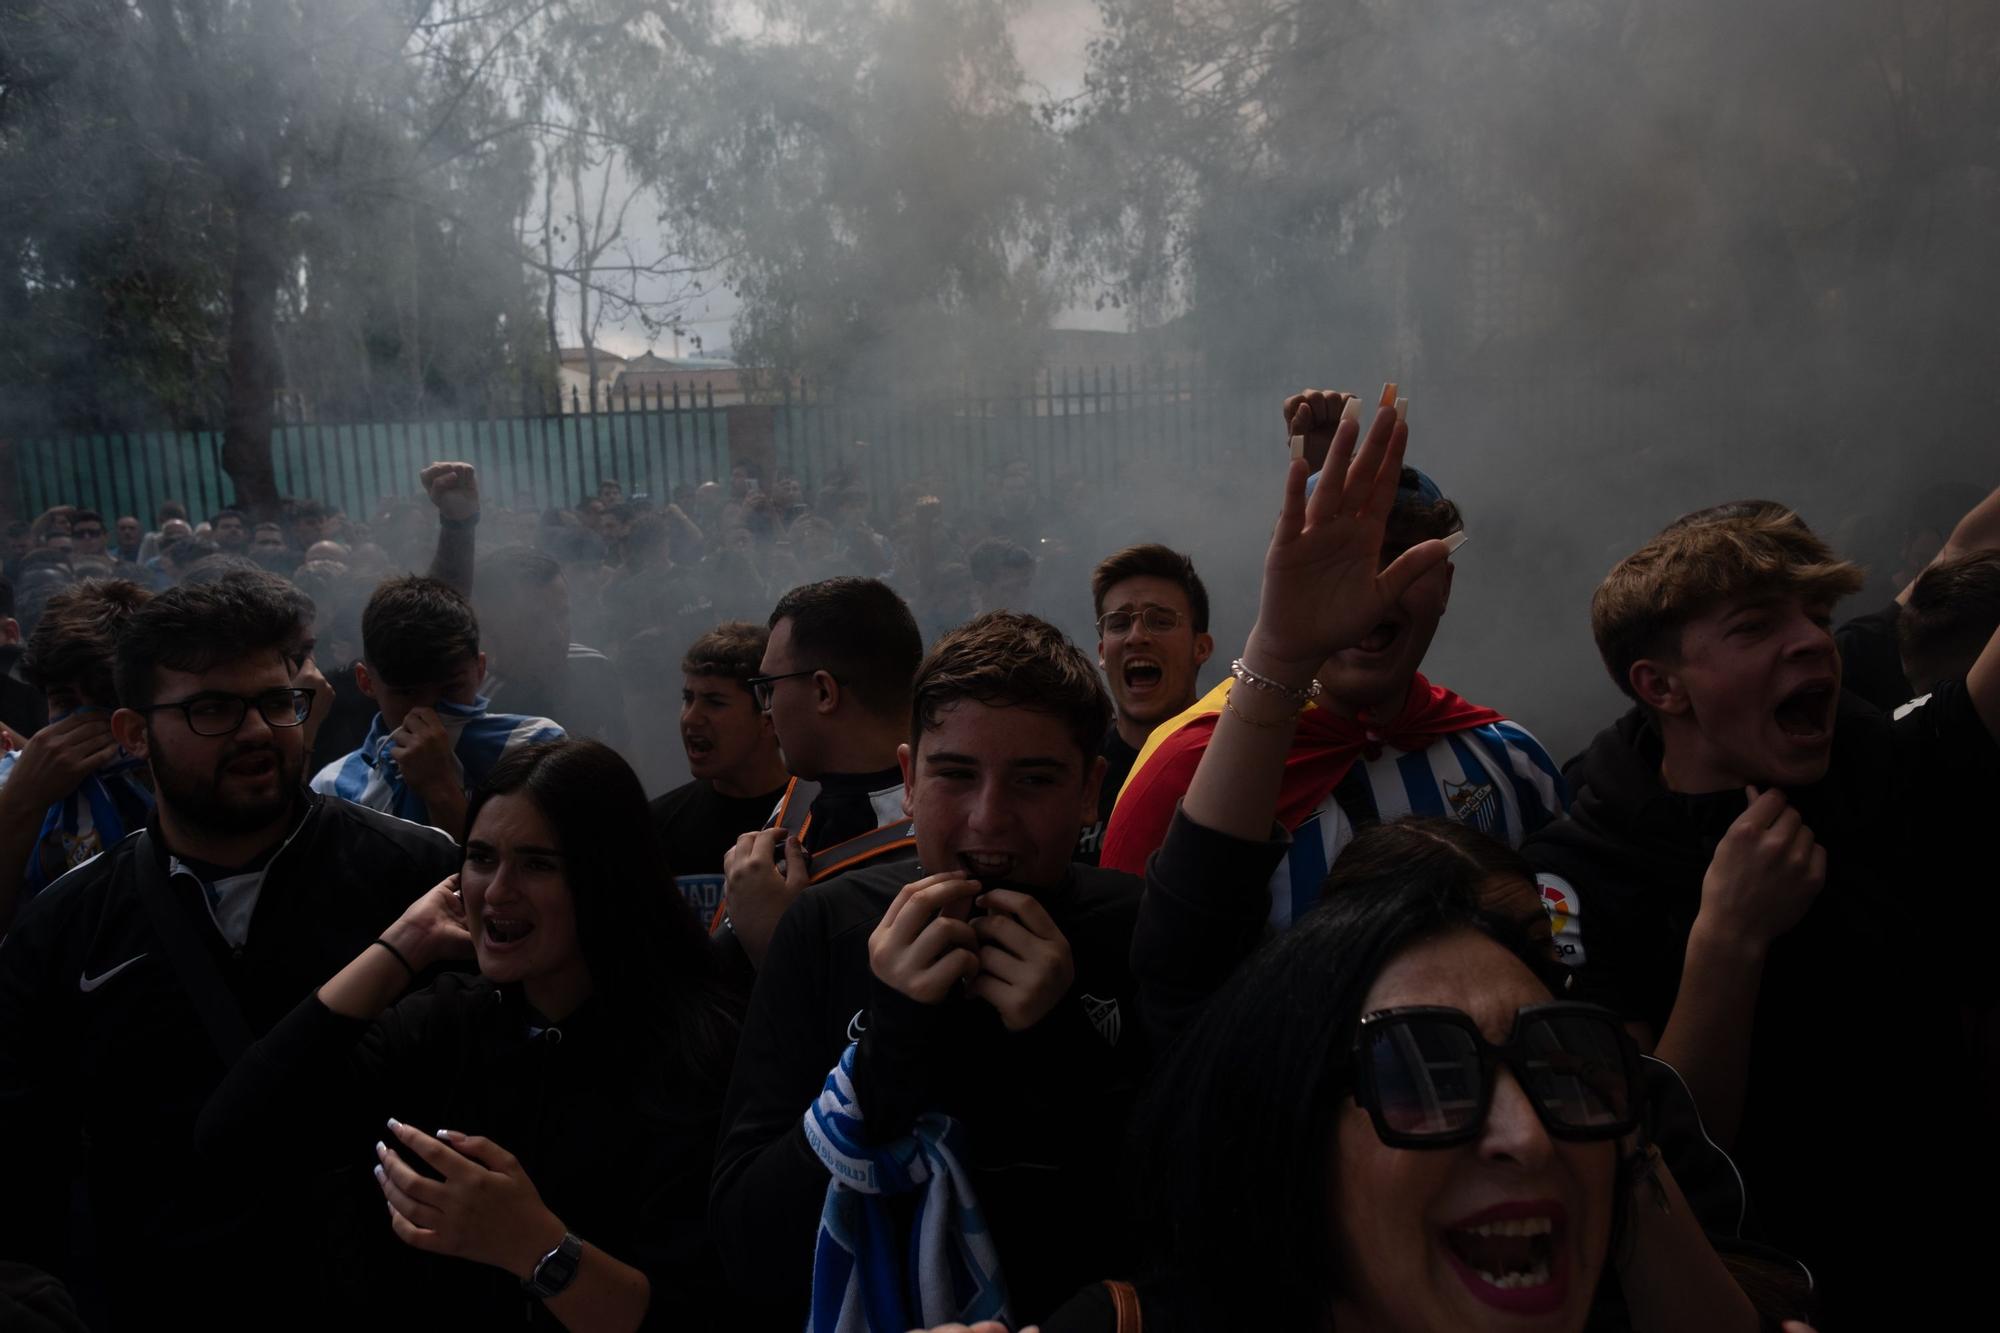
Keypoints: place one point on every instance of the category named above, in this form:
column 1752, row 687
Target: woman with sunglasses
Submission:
column 540, row 1135
column 1391, row 1103
column 1388, row 1121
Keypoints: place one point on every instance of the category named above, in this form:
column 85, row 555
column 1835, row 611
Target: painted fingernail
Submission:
column 1402, row 409
column 1456, row 540
column 380, row 1174
column 1298, row 443
column 1388, row 398
column 381, row 1148
column 393, row 1124
column 1352, row 412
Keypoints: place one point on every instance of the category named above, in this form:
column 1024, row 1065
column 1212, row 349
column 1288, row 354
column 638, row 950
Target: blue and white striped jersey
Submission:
column 369, row 777
column 1497, row 778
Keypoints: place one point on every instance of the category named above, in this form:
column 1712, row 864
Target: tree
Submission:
column 879, row 188
column 210, row 202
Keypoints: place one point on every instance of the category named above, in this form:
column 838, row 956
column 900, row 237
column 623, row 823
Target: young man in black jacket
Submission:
column 1742, row 847
column 739, row 776
column 835, row 681
column 130, row 985
column 986, row 980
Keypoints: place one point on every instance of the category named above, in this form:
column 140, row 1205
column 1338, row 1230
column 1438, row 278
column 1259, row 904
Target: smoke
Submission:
column 1626, row 258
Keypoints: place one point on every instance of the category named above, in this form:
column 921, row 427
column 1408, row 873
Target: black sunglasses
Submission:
column 760, row 686
column 1425, row 1075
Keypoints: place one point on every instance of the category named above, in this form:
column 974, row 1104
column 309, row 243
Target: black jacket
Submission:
column 101, row 1046
column 617, row 1137
column 1857, row 1115
column 1044, row 1110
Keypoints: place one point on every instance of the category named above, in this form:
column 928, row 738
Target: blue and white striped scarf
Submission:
column 369, row 776
column 868, row 1279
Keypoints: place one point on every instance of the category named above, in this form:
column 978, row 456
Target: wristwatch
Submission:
column 556, row 1269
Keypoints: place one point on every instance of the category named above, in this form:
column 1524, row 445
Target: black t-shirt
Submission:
column 1857, row 1106
column 1118, row 760
column 1871, row 661
column 696, row 825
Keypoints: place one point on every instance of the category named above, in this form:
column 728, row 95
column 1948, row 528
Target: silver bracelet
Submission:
column 1299, row 698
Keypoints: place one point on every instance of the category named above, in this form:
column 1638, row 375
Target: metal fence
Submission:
column 1077, row 426
column 1092, row 428
column 1072, row 426
column 649, row 445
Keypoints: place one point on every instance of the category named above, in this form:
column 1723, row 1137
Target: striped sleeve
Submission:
column 487, row 737
column 345, row 777
column 1537, row 783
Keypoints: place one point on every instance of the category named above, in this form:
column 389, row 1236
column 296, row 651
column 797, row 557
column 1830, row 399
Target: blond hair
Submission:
column 1753, row 548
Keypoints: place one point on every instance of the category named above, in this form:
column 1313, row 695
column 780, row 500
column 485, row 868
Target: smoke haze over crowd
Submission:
column 1626, row 259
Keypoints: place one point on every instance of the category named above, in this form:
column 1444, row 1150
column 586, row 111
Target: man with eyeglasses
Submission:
column 131, row 984
column 1152, row 638
column 1379, row 740
column 836, row 682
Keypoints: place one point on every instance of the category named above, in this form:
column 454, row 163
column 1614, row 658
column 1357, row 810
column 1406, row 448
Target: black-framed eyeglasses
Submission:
column 760, row 686
column 1157, row 620
column 1425, row 1075
column 213, row 713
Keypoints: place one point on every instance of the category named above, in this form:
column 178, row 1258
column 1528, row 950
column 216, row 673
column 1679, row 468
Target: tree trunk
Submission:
column 254, row 273
column 584, row 239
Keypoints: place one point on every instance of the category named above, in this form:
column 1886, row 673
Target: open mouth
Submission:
column 698, row 745
column 1507, row 1256
column 1142, row 674
column 1381, row 638
column 1806, row 714
column 986, row 867
column 503, row 931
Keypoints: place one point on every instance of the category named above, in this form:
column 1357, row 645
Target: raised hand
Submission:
column 1312, row 417
column 1324, row 583
column 453, row 488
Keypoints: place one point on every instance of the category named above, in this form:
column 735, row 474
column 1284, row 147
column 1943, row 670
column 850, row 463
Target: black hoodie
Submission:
column 1043, row 1110
column 1856, row 1135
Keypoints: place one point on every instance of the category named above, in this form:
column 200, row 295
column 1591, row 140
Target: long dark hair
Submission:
column 650, row 968
column 1236, row 1137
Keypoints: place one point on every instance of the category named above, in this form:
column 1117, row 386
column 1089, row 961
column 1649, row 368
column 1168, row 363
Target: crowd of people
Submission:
column 378, row 953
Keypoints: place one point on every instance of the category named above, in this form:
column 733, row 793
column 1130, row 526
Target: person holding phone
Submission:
column 540, row 1133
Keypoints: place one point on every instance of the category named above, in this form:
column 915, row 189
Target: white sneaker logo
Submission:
column 87, row 983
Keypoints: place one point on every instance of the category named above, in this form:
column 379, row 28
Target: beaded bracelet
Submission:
column 1299, row 698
